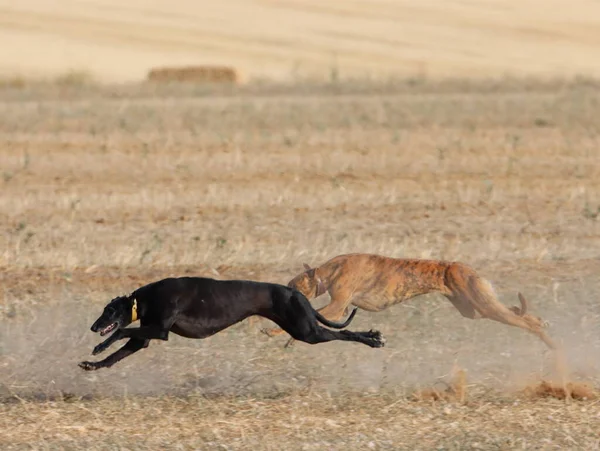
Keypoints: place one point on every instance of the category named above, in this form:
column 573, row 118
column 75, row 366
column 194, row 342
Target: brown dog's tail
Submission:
column 328, row 323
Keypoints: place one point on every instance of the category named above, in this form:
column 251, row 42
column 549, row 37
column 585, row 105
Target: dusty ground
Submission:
column 294, row 39
column 106, row 189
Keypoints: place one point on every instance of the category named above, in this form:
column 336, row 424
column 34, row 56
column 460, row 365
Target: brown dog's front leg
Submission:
column 272, row 332
column 133, row 345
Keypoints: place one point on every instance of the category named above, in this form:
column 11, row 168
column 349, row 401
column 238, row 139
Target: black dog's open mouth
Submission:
column 107, row 329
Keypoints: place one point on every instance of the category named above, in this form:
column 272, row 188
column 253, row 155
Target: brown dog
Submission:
column 374, row 283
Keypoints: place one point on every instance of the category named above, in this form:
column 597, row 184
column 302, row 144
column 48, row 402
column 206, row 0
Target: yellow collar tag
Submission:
column 134, row 315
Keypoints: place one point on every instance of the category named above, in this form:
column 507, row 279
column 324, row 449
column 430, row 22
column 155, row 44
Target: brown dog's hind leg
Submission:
column 464, row 307
column 522, row 322
column 272, row 332
column 510, row 318
column 471, row 294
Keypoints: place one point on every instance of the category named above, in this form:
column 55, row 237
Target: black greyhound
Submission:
column 196, row 307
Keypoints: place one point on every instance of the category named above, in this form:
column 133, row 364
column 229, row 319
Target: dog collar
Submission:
column 134, row 315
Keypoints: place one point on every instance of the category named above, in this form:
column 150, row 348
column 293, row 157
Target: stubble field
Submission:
column 105, row 189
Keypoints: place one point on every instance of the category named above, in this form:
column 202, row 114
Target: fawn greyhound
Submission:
column 374, row 283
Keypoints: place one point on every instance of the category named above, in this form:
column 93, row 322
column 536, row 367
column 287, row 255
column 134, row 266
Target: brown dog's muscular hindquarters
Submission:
column 474, row 298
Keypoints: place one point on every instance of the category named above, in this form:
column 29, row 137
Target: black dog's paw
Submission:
column 377, row 338
column 88, row 366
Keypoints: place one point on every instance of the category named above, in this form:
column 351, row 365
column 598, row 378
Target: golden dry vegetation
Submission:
column 285, row 39
column 106, row 188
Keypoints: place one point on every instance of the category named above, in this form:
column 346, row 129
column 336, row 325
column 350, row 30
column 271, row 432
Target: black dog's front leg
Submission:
column 106, row 343
column 144, row 332
column 133, row 345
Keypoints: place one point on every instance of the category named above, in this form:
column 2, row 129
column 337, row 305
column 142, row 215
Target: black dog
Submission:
column 196, row 307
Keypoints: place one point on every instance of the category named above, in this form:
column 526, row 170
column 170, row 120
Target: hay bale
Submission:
column 194, row 74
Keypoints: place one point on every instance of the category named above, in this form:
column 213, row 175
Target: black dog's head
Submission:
column 120, row 312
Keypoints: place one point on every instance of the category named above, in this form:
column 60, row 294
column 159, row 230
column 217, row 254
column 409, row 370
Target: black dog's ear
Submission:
column 114, row 300
column 306, row 267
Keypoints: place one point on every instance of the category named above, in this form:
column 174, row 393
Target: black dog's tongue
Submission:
column 106, row 330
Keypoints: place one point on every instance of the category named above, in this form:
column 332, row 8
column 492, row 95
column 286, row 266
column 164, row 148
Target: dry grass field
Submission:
column 106, row 188
column 297, row 39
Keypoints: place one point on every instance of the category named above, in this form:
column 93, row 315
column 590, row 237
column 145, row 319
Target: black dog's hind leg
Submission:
column 372, row 338
column 144, row 332
column 133, row 345
column 297, row 318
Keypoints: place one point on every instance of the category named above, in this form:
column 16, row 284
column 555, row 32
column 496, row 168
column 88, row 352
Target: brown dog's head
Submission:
column 308, row 283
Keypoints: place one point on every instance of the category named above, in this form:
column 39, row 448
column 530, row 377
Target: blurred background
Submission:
column 289, row 39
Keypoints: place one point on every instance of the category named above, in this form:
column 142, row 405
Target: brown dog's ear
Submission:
column 306, row 267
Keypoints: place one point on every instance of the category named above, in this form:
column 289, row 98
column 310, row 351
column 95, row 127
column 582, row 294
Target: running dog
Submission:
column 374, row 283
column 196, row 307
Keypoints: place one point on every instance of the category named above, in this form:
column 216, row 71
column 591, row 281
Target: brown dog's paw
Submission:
column 267, row 332
column 88, row 366
column 272, row 332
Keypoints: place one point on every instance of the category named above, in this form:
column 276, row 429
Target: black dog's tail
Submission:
column 325, row 321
